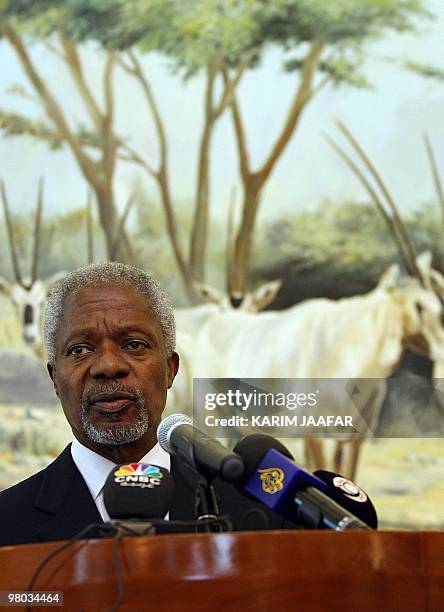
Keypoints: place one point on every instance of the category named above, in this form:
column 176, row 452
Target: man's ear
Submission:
column 52, row 374
column 173, row 366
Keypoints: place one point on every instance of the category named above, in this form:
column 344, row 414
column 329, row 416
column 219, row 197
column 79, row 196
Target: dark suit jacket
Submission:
column 55, row 504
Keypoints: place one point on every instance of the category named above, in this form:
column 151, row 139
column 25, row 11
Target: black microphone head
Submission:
column 138, row 490
column 348, row 495
column 252, row 448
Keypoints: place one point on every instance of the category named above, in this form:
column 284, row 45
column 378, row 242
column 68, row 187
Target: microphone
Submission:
column 138, row 491
column 178, row 436
column 275, row 480
column 350, row 496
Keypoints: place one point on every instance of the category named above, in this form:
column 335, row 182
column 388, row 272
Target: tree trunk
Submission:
column 244, row 238
column 98, row 174
column 108, row 218
column 199, row 234
column 254, row 182
column 184, row 269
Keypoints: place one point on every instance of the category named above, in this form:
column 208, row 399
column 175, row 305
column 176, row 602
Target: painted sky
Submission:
column 388, row 120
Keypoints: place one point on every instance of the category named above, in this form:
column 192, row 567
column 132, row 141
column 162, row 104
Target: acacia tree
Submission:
column 20, row 21
column 61, row 27
column 198, row 36
column 324, row 43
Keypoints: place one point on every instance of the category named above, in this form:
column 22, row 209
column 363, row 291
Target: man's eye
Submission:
column 135, row 345
column 78, row 350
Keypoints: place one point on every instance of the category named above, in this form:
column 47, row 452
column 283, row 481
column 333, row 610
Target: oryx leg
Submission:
column 438, row 381
column 314, row 453
column 338, row 457
column 347, row 456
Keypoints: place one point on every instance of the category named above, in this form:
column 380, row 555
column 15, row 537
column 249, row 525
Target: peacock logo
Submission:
column 142, row 475
column 139, row 469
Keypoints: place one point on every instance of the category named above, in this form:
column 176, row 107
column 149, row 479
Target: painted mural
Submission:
column 281, row 157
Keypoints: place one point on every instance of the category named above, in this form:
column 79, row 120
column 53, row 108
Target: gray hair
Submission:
column 107, row 273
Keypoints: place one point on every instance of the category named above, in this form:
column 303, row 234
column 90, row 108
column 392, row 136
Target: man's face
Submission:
column 111, row 371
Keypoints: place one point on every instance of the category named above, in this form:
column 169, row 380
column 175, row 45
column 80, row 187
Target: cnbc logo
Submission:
column 141, row 475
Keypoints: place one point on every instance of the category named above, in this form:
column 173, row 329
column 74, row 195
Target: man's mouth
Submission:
column 111, row 402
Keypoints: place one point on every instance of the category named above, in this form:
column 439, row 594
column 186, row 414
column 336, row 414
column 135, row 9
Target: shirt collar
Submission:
column 95, row 468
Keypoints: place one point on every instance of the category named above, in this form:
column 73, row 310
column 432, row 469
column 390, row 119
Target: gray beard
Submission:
column 114, row 435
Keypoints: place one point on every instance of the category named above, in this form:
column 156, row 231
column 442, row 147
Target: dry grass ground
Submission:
column 405, row 479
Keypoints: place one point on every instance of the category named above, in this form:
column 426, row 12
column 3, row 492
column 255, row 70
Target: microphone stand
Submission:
column 205, row 502
column 206, row 506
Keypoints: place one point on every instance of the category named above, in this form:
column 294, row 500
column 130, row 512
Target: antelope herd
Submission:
column 361, row 337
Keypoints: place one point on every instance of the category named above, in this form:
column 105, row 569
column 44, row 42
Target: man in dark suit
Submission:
column 110, row 337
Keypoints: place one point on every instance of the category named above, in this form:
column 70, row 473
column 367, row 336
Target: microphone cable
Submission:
column 56, row 552
column 117, row 532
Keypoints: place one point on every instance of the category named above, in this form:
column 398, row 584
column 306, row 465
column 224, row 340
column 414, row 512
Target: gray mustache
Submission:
column 111, row 386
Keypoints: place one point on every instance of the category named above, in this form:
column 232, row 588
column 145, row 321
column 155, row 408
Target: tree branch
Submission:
column 108, row 86
column 230, row 87
column 317, row 88
column 303, row 94
column 52, row 108
column 53, row 49
column 146, row 87
column 239, row 130
column 73, row 62
column 134, row 157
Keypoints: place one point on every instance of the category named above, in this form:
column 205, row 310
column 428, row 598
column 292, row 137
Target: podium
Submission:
column 231, row 572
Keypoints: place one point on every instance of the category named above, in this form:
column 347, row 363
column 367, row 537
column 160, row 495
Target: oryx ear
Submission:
column 437, row 280
column 424, row 262
column 390, row 278
column 265, row 294
column 208, row 294
column 5, row 287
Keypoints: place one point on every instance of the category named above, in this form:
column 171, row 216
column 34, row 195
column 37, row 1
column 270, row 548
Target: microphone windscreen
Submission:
column 252, row 448
column 348, row 495
column 138, row 490
column 167, row 426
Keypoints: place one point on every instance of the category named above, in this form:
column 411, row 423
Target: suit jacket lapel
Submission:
column 67, row 506
column 64, row 496
column 183, row 506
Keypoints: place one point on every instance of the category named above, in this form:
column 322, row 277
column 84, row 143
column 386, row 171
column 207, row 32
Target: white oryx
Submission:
column 359, row 337
column 27, row 294
column 438, row 367
column 190, row 320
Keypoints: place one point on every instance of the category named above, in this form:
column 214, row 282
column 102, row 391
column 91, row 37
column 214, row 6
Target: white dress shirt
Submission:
column 95, row 469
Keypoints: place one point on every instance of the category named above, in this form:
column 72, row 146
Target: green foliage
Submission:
column 13, row 124
column 342, row 237
column 425, row 70
column 338, row 20
column 192, row 33
column 348, row 241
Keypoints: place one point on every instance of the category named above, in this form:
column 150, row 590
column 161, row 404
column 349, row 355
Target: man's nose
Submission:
column 109, row 362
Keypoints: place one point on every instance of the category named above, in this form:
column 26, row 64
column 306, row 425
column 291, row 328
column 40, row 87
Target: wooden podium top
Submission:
column 262, row 571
